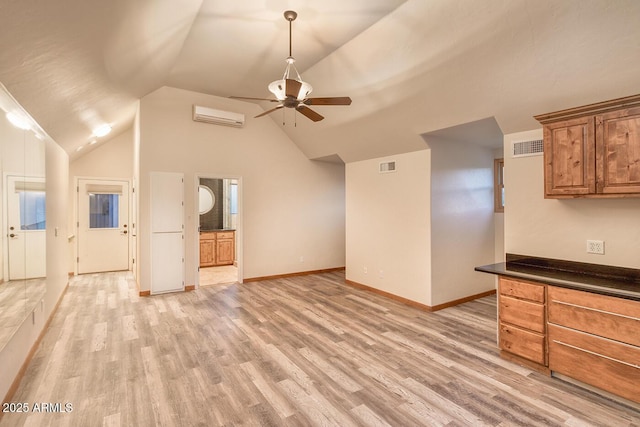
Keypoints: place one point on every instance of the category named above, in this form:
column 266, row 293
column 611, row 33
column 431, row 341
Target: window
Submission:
column 234, row 199
column 103, row 210
column 498, row 185
column 32, row 210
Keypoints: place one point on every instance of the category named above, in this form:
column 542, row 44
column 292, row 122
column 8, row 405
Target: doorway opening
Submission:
column 218, row 227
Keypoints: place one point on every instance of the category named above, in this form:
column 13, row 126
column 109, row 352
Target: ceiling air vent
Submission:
column 217, row 117
column 387, row 167
column 527, row 148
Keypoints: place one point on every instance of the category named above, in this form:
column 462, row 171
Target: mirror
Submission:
column 22, row 200
column 206, row 199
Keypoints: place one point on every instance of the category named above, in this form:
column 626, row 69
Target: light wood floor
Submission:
column 300, row 351
column 222, row 275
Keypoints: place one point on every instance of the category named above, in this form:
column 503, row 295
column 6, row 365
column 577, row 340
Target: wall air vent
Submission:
column 387, row 167
column 527, row 148
column 217, row 117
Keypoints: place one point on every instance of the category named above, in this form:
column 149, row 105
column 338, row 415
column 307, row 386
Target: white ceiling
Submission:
column 410, row 66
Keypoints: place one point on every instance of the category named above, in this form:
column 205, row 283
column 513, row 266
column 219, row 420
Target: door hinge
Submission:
column 78, row 189
column 77, row 259
column 78, row 224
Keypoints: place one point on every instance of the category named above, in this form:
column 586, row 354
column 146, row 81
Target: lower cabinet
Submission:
column 207, row 249
column 595, row 339
column 225, row 247
column 522, row 328
column 217, row 248
column 590, row 337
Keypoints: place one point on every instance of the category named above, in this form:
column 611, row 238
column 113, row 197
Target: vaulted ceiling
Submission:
column 410, row 66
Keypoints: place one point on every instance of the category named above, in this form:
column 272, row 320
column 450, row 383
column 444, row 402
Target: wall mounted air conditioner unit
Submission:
column 218, row 117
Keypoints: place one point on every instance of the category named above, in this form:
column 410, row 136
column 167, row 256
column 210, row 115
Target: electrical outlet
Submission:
column 381, row 274
column 301, row 259
column 595, row 247
column 366, row 270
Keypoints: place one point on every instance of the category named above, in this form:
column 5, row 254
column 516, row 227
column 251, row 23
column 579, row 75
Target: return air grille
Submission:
column 527, row 148
column 386, row 167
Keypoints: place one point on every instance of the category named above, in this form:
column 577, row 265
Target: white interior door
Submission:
column 26, row 222
column 103, row 226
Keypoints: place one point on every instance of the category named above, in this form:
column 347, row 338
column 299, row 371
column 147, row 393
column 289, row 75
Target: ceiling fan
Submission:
column 291, row 91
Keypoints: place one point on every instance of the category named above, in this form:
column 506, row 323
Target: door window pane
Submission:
column 103, row 210
column 32, row 210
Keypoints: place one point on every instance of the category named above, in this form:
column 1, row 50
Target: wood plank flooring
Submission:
column 301, row 351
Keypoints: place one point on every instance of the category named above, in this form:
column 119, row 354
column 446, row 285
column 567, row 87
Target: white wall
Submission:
column 462, row 219
column 388, row 226
column 111, row 159
column 15, row 352
column 554, row 228
column 291, row 207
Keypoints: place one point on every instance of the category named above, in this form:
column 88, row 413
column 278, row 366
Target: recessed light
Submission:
column 18, row 120
column 102, row 130
column 80, row 148
column 93, row 141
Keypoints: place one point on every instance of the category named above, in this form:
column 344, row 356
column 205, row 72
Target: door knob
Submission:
column 13, row 235
column 124, row 232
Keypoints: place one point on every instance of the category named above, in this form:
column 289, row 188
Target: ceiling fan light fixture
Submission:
column 291, row 92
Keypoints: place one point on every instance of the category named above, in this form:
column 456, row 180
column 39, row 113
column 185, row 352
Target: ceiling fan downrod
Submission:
column 290, row 16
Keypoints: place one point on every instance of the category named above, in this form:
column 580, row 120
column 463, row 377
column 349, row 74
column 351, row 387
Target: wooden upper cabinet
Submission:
column 618, row 147
column 593, row 151
column 569, row 157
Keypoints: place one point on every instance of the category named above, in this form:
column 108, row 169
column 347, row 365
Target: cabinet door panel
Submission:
column 602, row 315
column 207, row 253
column 569, row 157
column 603, row 363
column 224, row 252
column 519, row 289
column 522, row 313
column 618, row 151
column 523, row 343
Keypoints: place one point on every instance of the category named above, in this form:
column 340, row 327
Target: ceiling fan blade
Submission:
column 309, row 113
column 269, row 111
column 336, row 100
column 292, row 88
column 254, row 99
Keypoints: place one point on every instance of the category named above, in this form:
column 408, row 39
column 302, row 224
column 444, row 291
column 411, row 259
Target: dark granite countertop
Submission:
column 602, row 279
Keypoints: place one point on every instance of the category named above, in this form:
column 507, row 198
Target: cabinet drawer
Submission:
column 526, row 314
column 518, row 289
column 207, row 235
column 225, row 235
column 605, row 316
column 609, row 365
column 526, row 344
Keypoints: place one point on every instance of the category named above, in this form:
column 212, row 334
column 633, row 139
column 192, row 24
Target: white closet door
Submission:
column 167, row 232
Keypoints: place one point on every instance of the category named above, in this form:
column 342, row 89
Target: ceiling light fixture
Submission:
column 18, row 120
column 277, row 87
column 102, row 130
column 291, row 91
